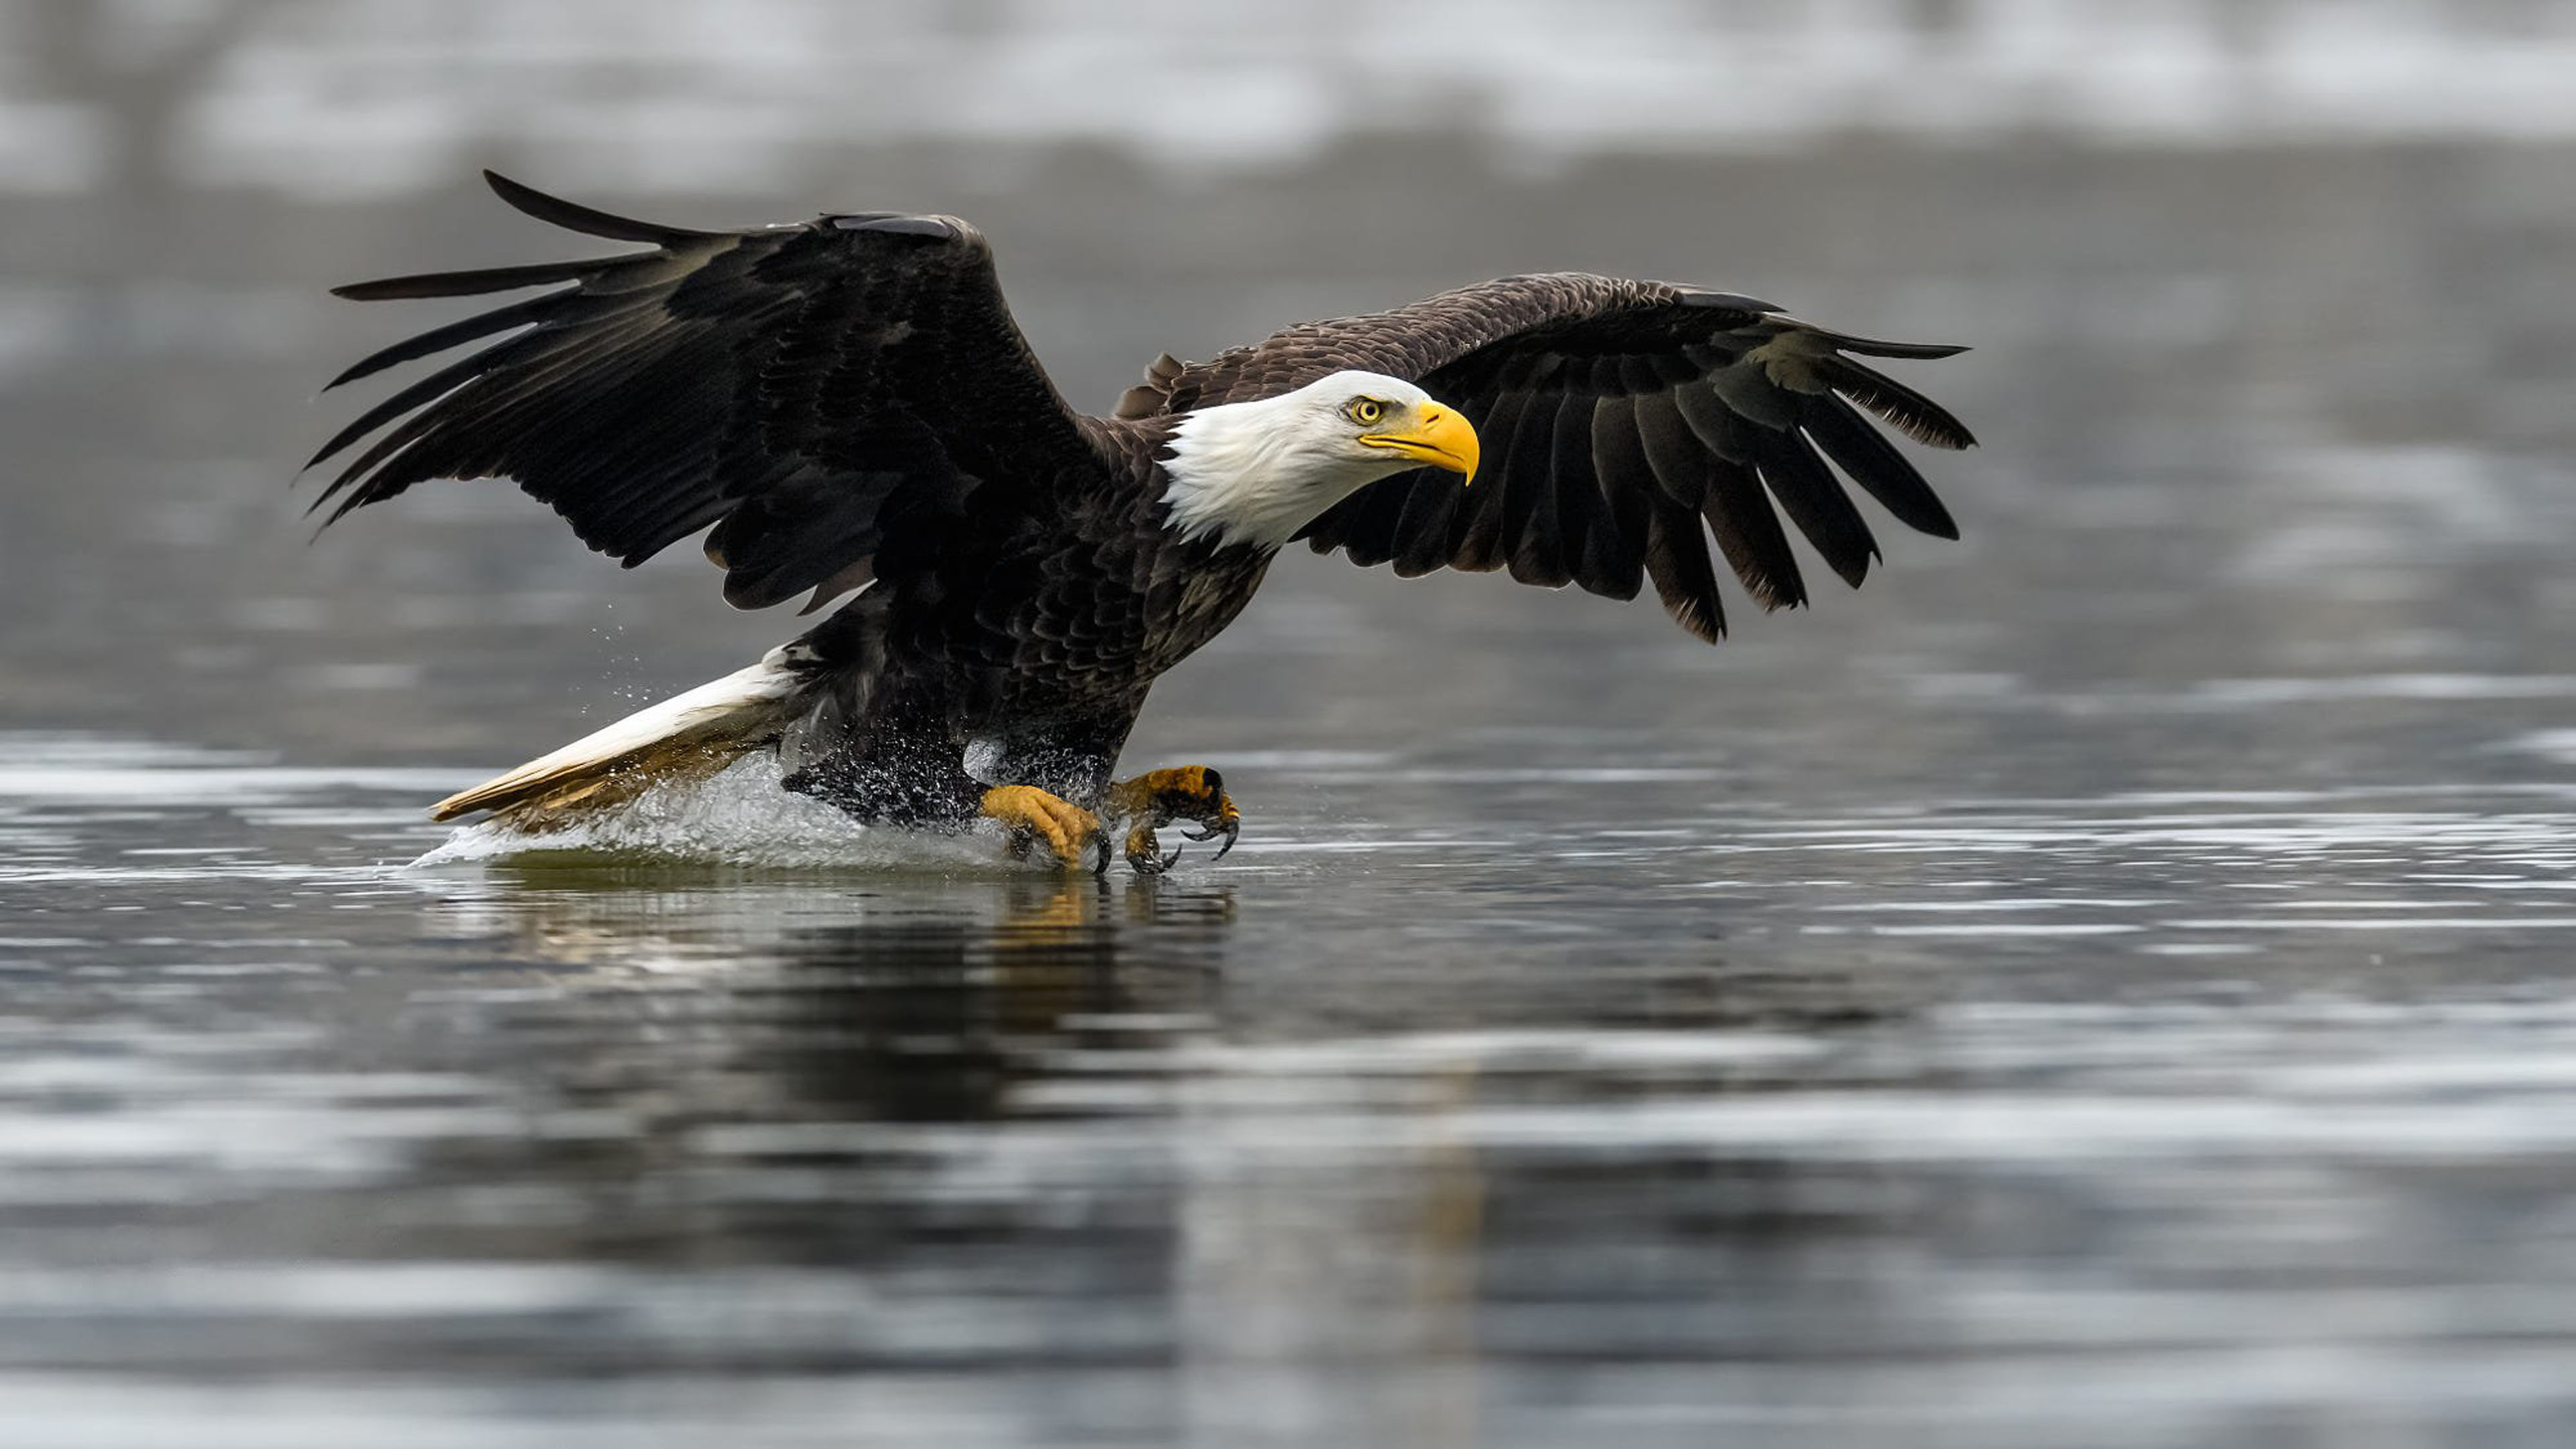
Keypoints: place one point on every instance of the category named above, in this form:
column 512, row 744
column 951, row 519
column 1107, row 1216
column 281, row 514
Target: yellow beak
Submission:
column 1438, row 437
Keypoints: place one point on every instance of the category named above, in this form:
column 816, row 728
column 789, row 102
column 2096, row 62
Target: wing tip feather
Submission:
column 590, row 221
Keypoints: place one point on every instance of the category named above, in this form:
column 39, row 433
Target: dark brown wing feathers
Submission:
column 1616, row 416
column 795, row 386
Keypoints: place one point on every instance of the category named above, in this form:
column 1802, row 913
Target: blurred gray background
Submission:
column 2104, row 983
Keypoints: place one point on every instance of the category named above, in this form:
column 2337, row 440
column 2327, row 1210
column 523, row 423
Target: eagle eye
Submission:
column 1364, row 411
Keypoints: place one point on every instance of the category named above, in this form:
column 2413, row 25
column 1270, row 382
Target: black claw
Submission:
column 1102, row 840
column 1232, row 830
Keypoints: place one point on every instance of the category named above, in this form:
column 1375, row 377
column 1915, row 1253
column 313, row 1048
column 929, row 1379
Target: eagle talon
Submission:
column 1159, row 797
column 1030, row 815
column 1229, row 826
column 1224, row 821
column 1152, row 864
column 1145, row 855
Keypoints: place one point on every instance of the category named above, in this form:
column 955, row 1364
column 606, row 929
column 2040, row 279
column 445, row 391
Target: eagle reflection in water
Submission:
column 922, row 1001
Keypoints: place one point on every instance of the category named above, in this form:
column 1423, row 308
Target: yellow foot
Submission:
column 1030, row 815
column 1156, row 798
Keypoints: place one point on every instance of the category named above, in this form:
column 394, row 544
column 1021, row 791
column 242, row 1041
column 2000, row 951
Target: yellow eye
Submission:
column 1365, row 411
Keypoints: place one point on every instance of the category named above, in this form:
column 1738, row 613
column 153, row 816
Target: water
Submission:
column 1538, row 1102
column 2106, row 983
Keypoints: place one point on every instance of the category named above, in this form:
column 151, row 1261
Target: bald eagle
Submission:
column 845, row 404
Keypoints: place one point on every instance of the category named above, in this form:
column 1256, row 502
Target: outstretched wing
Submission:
column 802, row 388
column 1616, row 416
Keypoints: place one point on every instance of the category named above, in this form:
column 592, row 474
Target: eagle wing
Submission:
column 1616, row 418
column 802, row 388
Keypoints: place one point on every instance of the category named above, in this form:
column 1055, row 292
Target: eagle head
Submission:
column 1256, row 472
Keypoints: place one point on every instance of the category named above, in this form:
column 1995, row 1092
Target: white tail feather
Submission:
column 688, row 735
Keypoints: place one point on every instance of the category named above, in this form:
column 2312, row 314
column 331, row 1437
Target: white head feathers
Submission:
column 1256, row 472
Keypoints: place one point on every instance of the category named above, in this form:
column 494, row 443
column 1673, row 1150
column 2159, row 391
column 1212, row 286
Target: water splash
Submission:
column 741, row 816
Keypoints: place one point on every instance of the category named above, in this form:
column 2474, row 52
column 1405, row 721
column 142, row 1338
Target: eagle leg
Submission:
column 1029, row 815
column 1156, row 798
